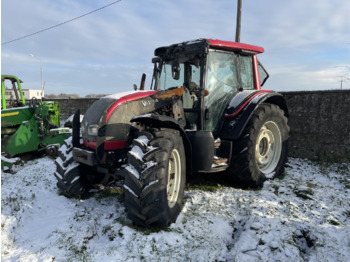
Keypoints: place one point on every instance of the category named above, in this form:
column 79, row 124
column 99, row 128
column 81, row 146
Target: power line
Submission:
column 49, row 28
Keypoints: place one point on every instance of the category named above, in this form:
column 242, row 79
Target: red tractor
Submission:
column 205, row 112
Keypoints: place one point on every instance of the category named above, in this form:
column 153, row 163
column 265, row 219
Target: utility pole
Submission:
column 238, row 22
column 344, row 77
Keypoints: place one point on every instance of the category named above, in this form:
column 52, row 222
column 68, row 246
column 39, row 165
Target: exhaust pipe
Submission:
column 238, row 22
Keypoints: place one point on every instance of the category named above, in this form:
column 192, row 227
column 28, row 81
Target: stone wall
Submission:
column 69, row 106
column 319, row 123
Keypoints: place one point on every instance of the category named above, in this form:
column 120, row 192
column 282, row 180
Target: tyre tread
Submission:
column 146, row 209
column 242, row 167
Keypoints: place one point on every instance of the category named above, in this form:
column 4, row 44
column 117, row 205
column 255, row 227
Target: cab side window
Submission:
column 246, row 67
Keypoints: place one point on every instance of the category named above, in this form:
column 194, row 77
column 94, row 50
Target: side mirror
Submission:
column 175, row 69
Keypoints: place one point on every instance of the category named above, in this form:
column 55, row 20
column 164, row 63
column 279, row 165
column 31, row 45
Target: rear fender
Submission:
column 238, row 116
column 160, row 121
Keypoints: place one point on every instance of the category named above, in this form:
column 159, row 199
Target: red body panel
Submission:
column 119, row 144
column 108, row 145
column 128, row 98
column 90, row 144
column 235, row 46
column 113, row 145
column 256, row 73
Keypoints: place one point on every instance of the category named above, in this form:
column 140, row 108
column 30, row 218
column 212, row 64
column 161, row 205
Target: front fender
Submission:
column 242, row 109
column 160, row 121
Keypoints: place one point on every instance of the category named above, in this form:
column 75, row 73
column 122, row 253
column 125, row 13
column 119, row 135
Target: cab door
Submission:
column 227, row 74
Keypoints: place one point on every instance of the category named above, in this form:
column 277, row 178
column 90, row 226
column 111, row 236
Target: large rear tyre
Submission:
column 155, row 180
column 262, row 150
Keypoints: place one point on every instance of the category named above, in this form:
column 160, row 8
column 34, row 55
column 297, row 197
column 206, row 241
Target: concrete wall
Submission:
column 319, row 123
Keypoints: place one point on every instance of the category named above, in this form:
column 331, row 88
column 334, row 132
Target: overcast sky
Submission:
column 307, row 43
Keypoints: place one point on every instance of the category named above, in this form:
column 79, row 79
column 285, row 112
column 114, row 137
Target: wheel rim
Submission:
column 268, row 147
column 174, row 178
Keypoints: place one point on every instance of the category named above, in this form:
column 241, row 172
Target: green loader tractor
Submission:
column 27, row 127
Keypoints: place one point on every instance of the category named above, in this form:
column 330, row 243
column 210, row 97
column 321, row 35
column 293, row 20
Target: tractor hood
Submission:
column 106, row 124
column 108, row 119
column 108, row 104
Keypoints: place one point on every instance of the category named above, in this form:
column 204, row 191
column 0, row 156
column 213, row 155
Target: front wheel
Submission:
column 73, row 179
column 155, row 180
column 68, row 172
column 261, row 151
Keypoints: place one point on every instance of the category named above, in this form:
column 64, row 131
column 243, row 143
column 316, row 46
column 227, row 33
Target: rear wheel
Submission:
column 261, row 152
column 155, row 180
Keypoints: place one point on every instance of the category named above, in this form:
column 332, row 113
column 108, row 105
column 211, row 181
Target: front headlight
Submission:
column 92, row 130
column 82, row 127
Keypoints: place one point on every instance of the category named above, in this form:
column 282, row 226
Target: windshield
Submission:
column 166, row 79
column 188, row 74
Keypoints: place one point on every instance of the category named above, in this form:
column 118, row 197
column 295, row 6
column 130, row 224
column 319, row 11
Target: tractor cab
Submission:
column 13, row 96
column 212, row 72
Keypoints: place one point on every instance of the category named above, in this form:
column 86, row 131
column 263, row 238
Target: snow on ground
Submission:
column 305, row 216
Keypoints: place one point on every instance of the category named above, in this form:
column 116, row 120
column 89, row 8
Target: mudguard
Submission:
column 242, row 107
column 159, row 121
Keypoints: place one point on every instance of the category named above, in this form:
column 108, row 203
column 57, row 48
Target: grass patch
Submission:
column 150, row 230
column 343, row 169
column 334, row 222
column 143, row 230
column 110, row 232
column 329, row 166
column 208, row 181
column 304, row 193
column 111, row 192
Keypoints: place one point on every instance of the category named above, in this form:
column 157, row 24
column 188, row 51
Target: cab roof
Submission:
column 202, row 44
column 234, row 46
